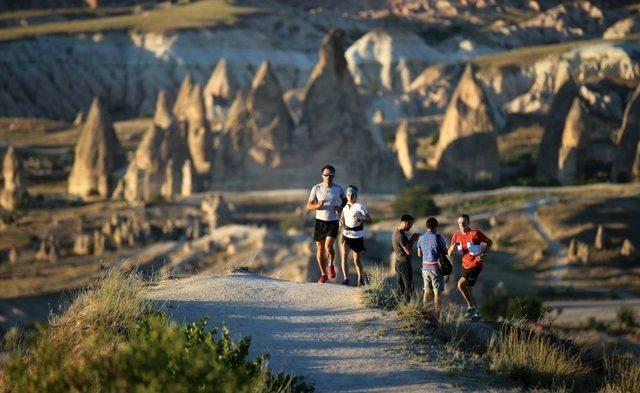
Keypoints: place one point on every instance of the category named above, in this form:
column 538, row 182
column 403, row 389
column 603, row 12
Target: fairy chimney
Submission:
column 199, row 138
column 270, row 124
column 601, row 241
column 467, row 147
column 14, row 193
column 627, row 152
column 162, row 117
column 182, row 99
column 221, row 89
column 97, row 156
column 627, row 249
column 574, row 144
column 403, row 146
column 548, row 152
column 216, row 210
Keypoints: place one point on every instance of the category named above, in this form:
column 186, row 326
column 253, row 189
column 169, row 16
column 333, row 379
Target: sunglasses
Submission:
column 328, row 175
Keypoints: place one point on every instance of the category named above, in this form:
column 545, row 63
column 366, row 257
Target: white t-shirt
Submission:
column 332, row 196
column 352, row 215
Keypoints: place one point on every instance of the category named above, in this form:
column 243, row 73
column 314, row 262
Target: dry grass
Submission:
column 378, row 293
column 535, row 360
column 623, row 376
column 199, row 14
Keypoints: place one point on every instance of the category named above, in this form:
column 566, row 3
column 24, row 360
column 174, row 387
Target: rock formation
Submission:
column 258, row 132
column 467, row 146
column 97, row 156
column 574, row 144
column 199, row 138
column 622, row 28
column 270, row 125
column 627, row 142
column 83, row 244
column 627, row 249
column 582, row 252
column 14, row 193
column 216, row 211
column 182, row 99
column 548, row 152
column 186, row 188
column 221, row 89
column 572, row 250
column 331, row 90
column 601, row 241
column 156, row 166
column 13, row 255
column 404, row 147
column 388, row 59
column 42, row 254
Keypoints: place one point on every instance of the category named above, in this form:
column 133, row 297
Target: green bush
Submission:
column 108, row 341
column 416, row 200
column 625, row 316
column 525, row 308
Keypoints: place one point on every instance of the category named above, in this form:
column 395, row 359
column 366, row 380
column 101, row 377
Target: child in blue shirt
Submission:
column 431, row 245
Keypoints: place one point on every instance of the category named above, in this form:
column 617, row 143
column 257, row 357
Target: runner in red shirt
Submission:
column 473, row 245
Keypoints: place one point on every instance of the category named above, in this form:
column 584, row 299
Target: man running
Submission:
column 473, row 245
column 402, row 246
column 354, row 214
column 431, row 246
column 327, row 199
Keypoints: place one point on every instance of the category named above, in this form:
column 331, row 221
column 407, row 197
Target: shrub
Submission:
column 622, row 375
column 109, row 341
column 379, row 293
column 415, row 200
column 525, row 308
column 625, row 316
column 535, row 360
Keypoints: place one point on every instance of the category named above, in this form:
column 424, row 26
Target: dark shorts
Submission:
column 356, row 245
column 324, row 229
column 471, row 275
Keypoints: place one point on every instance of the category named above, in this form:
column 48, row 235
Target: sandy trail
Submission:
column 320, row 331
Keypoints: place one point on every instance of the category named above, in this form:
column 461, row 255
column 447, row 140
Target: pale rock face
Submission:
column 187, row 186
column 622, row 28
column 155, row 168
column 628, row 141
column 602, row 61
column 574, row 145
column 389, row 60
column 270, row 125
column 83, row 244
column 627, row 249
column 434, row 86
column 182, row 99
column 548, row 152
column 98, row 155
column 234, row 142
column 199, row 136
column 403, row 145
column 467, row 146
column 14, row 193
column 602, row 241
column 220, row 90
column 583, row 252
column 216, row 210
column 331, row 89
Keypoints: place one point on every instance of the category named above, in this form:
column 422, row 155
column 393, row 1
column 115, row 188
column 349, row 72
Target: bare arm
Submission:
column 366, row 218
column 314, row 205
column 419, row 252
column 451, row 250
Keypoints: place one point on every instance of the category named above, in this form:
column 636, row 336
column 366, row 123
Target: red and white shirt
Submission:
column 470, row 246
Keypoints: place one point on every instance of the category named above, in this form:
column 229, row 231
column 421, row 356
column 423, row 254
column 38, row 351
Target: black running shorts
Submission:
column 471, row 275
column 324, row 229
column 356, row 244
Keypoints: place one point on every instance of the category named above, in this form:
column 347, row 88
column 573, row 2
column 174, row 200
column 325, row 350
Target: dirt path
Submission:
column 319, row 331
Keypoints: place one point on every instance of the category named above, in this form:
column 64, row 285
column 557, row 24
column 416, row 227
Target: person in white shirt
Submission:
column 327, row 199
column 354, row 215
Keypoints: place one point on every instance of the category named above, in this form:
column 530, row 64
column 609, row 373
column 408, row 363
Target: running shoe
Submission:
column 346, row 282
column 332, row 272
column 361, row 282
column 471, row 312
column 323, row 279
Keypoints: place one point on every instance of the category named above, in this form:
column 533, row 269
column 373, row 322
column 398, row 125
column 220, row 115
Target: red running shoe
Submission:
column 323, row 279
column 332, row 272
